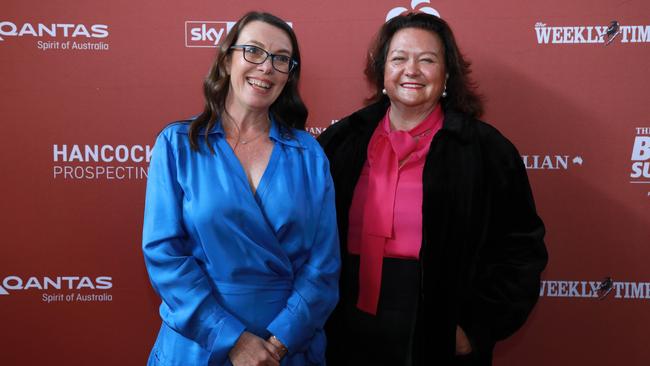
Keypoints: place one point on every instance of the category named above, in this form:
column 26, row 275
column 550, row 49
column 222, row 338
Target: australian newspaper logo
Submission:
column 100, row 162
column 57, row 36
column 590, row 34
column 60, row 288
column 551, row 162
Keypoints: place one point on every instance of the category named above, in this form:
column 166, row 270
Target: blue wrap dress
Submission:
column 225, row 260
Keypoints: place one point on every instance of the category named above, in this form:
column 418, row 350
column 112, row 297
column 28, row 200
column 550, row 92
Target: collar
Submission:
column 277, row 131
column 455, row 124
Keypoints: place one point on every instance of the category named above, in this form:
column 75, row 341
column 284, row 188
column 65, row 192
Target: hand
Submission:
column 463, row 346
column 251, row 350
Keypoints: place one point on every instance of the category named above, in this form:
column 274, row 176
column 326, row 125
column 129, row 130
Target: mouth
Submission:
column 257, row 83
column 412, row 85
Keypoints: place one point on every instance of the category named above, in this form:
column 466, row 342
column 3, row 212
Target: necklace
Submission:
column 244, row 142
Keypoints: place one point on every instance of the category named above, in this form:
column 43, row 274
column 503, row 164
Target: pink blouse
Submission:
column 386, row 212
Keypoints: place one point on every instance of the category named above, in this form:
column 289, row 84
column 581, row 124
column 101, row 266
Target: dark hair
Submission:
column 461, row 90
column 288, row 109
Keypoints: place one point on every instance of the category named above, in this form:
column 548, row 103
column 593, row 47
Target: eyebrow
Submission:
column 419, row 54
column 261, row 45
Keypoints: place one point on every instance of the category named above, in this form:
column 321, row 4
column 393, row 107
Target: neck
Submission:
column 245, row 120
column 404, row 118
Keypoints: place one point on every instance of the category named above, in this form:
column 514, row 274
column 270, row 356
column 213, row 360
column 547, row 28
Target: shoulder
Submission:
column 358, row 123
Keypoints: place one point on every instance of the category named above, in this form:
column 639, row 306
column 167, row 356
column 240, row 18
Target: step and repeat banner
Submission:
column 87, row 85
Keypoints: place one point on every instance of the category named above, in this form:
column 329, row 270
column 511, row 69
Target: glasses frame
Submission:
column 292, row 64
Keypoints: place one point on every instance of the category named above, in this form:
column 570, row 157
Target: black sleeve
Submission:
column 507, row 279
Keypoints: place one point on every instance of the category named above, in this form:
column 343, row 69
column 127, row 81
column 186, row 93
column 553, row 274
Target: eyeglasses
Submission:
column 257, row 55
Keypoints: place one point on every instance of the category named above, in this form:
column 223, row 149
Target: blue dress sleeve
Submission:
column 315, row 290
column 188, row 304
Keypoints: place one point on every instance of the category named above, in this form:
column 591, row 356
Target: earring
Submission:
column 444, row 92
column 383, row 91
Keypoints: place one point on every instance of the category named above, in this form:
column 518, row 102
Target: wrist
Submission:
column 281, row 348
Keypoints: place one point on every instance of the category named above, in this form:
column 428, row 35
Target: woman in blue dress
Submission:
column 239, row 236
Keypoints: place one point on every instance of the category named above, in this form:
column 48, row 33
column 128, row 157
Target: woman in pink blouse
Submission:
column 442, row 246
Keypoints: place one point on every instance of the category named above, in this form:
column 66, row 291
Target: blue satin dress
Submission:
column 225, row 260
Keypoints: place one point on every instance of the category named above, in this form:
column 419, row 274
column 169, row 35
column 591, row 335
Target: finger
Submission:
column 273, row 350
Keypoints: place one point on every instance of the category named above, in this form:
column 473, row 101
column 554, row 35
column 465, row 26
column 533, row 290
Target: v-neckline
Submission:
column 268, row 170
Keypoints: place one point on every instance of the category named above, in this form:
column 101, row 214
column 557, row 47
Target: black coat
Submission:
column 482, row 250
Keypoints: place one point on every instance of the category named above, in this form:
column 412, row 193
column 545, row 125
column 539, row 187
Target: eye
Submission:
column 283, row 59
column 254, row 50
column 427, row 60
column 398, row 59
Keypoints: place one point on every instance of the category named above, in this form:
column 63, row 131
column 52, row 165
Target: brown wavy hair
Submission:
column 461, row 90
column 288, row 109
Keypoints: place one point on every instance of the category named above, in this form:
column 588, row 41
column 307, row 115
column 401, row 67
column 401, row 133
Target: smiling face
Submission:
column 255, row 87
column 414, row 74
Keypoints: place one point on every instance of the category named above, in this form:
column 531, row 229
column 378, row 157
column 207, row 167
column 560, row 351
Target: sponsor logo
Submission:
column 641, row 157
column 60, row 288
column 58, row 36
column 591, row 34
column 416, row 6
column 316, row 130
column 205, row 33
column 606, row 288
column 100, row 162
column 551, row 162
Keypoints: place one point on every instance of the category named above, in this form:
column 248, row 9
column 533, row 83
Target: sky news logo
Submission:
column 206, row 34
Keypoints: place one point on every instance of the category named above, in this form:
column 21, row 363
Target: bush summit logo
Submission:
column 641, row 156
column 58, row 36
column 65, row 286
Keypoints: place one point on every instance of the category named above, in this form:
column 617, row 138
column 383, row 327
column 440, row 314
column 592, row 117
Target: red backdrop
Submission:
column 86, row 86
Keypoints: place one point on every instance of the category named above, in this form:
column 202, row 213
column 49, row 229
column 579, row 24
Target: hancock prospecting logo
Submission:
column 591, row 34
column 100, row 162
column 551, row 162
column 416, row 6
column 641, row 157
column 596, row 289
column 58, row 36
column 60, row 288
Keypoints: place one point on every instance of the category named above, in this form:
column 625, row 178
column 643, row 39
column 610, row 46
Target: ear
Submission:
column 228, row 62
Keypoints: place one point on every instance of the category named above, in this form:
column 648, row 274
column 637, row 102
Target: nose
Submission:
column 266, row 66
column 411, row 68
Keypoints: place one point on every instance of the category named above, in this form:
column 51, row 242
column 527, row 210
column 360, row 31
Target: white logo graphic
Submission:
column 94, row 162
column 65, row 287
column 595, row 289
column 205, row 33
column 550, row 162
column 16, row 283
column 414, row 7
column 589, row 34
column 84, row 37
column 641, row 156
